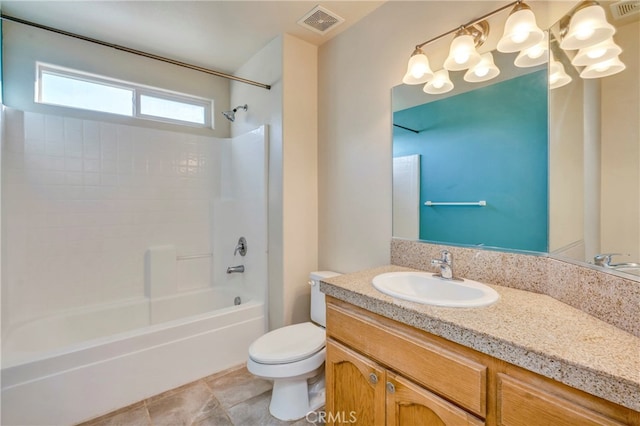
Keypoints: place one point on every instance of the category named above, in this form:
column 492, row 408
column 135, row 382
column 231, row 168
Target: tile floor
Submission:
column 230, row 398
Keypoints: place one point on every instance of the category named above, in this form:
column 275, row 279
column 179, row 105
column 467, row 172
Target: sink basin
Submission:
column 428, row 289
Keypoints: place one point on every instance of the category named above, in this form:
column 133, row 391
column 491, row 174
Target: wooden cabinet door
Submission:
column 355, row 388
column 520, row 404
column 409, row 404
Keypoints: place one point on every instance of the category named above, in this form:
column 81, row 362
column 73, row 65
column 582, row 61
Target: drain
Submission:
column 237, row 300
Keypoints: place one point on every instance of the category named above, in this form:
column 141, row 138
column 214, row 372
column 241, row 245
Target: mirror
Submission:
column 594, row 144
column 561, row 212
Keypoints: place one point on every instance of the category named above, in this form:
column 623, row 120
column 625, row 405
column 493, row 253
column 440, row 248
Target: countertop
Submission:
column 531, row 330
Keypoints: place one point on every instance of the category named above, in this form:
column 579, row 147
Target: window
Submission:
column 75, row 89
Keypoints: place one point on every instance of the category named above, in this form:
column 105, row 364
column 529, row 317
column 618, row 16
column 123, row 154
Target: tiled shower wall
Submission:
column 82, row 202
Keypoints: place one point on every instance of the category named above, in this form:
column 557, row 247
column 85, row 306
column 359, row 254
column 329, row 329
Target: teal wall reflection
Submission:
column 488, row 144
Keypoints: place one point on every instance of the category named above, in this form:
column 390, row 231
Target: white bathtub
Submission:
column 57, row 370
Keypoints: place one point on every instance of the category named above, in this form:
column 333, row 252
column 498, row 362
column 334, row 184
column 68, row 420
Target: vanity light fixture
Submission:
column 534, row 55
column 587, row 26
column 463, row 53
column 597, row 53
column 440, row 83
column 603, row 69
column 418, row 69
column 558, row 77
column 520, row 31
column 485, row 70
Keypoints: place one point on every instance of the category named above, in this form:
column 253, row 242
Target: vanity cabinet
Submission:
column 365, row 393
column 382, row 372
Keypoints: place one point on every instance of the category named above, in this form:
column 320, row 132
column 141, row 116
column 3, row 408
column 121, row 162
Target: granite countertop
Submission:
column 531, row 330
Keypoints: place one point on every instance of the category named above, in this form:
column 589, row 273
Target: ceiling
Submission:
column 220, row 35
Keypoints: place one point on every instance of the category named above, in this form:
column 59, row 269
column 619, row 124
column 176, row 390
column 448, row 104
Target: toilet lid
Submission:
column 288, row 344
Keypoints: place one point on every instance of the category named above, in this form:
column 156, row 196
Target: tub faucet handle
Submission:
column 241, row 247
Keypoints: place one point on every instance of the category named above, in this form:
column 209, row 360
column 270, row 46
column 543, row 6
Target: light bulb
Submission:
column 584, row 32
column 535, row 51
column 588, row 26
column 485, row 70
column 461, row 57
column 481, row 71
column 599, row 52
column 596, row 53
column 418, row 70
column 603, row 69
column 462, row 53
column 533, row 56
column 439, row 84
column 520, row 33
column 558, row 77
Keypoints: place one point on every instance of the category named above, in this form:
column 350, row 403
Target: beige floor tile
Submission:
column 135, row 415
column 191, row 405
column 231, row 398
column 237, row 386
column 255, row 411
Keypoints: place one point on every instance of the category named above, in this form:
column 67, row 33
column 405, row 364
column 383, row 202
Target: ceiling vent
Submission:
column 320, row 20
column 625, row 8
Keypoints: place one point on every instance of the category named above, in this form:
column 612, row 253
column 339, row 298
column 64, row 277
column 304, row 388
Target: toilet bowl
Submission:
column 293, row 357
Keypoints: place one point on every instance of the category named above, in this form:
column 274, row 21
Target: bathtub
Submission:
column 58, row 370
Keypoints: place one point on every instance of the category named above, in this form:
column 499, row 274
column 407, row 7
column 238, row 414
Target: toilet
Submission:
column 293, row 357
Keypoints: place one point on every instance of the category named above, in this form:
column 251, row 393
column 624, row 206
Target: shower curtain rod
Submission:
column 136, row 52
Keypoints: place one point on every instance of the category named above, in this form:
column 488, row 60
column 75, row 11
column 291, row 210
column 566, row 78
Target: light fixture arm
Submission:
column 470, row 23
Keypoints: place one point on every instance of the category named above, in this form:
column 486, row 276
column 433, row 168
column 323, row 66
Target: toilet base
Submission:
column 292, row 399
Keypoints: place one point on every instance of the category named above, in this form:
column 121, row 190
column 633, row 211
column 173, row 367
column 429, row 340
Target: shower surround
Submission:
column 114, row 231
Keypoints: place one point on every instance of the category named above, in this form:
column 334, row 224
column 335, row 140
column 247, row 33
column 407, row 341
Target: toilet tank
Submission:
column 318, row 309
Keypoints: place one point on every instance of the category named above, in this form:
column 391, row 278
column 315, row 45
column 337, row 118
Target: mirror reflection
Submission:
column 487, row 145
column 594, row 170
column 484, row 143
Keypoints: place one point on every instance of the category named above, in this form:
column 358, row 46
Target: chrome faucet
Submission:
column 446, row 265
column 604, row 259
column 241, row 247
column 234, row 269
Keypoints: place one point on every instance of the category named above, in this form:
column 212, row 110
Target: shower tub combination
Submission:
column 90, row 377
column 68, row 365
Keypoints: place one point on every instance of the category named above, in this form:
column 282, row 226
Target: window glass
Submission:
column 72, row 92
column 171, row 109
column 75, row 89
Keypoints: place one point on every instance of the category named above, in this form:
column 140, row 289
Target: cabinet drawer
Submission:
column 446, row 373
column 519, row 403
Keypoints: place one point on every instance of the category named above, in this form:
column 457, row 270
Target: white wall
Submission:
column 566, row 167
column 289, row 65
column 621, row 152
column 24, row 45
column 241, row 210
column 357, row 70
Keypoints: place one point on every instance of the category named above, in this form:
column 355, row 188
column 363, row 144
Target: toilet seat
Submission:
column 288, row 344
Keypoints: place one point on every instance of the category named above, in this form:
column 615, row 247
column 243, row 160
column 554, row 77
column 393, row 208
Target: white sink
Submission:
column 425, row 288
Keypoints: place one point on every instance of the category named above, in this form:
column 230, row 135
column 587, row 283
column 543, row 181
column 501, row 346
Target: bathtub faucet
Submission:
column 232, row 269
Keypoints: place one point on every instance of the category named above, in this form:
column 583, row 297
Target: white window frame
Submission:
column 137, row 91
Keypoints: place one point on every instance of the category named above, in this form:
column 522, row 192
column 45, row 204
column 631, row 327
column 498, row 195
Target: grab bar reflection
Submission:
column 469, row 203
column 194, row 256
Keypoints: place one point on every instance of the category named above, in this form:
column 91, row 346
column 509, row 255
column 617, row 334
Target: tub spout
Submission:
column 232, row 269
